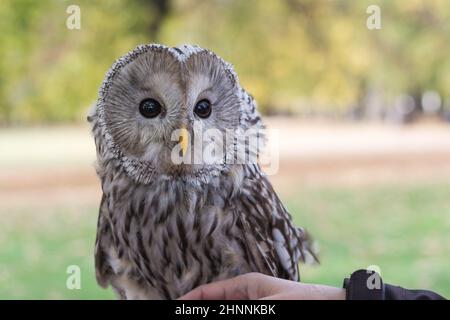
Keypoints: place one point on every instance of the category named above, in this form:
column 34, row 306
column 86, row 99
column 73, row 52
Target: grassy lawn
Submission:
column 402, row 229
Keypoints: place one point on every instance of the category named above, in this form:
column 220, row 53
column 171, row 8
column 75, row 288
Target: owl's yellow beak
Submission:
column 184, row 140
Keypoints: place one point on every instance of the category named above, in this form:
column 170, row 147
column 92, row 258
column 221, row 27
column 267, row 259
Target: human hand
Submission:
column 254, row 286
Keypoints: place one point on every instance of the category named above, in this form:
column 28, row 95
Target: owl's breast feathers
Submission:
column 163, row 239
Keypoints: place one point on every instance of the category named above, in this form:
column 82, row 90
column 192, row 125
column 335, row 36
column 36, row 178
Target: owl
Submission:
column 167, row 226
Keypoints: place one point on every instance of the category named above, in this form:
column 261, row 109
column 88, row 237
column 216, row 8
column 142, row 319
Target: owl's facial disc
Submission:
column 154, row 93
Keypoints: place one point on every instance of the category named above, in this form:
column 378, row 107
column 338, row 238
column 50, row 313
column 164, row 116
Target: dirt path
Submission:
column 51, row 167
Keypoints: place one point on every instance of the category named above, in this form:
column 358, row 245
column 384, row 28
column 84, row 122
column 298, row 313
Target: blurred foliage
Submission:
column 401, row 228
column 293, row 55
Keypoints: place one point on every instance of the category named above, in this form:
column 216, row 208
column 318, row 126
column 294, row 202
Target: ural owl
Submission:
column 165, row 227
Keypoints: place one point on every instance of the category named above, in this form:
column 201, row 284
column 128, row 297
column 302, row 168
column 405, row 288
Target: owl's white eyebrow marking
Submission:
column 183, row 52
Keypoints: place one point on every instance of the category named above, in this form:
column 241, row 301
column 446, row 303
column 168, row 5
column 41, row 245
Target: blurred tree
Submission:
column 300, row 56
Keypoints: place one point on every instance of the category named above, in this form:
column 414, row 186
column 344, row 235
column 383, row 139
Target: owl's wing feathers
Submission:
column 104, row 238
column 275, row 242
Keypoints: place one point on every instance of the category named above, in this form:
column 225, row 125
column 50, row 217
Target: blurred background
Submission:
column 363, row 116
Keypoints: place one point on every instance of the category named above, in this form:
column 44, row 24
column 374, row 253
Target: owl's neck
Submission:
column 229, row 181
column 165, row 198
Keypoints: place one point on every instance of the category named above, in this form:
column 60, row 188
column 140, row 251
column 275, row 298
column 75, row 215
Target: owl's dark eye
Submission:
column 203, row 108
column 149, row 108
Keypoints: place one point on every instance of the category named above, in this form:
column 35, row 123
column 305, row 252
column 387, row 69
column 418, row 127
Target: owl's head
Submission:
column 161, row 110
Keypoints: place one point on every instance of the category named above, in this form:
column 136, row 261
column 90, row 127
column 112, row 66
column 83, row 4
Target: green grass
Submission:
column 37, row 248
column 402, row 229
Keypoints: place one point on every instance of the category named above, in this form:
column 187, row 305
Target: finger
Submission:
column 287, row 296
column 231, row 289
column 308, row 292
